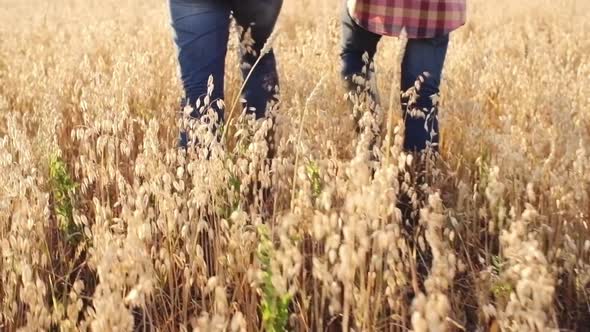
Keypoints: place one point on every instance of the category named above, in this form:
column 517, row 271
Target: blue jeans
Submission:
column 421, row 55
column 201, row 35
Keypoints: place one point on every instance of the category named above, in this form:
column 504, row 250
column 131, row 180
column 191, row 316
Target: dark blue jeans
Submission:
column 201, row 34
column 421, row 55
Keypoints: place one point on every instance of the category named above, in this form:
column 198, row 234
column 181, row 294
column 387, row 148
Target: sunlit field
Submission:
column 105, row 225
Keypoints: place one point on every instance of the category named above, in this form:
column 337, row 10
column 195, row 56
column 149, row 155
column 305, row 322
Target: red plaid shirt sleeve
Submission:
column 419, row 18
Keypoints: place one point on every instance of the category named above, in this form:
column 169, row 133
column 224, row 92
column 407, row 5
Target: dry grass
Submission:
column 104, row 225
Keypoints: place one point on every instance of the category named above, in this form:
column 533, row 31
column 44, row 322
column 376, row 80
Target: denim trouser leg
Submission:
column 421, row 55
column 201, row 35
column 354, row 44
column 356, row 41
column 258, row 18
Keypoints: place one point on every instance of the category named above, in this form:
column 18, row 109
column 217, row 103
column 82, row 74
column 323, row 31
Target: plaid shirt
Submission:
column 419, row 18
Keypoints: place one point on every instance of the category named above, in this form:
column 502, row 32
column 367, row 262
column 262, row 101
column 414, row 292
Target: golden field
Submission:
column 106, row 226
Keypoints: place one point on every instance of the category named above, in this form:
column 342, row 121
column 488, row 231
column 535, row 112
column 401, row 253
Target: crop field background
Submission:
column 106, row 226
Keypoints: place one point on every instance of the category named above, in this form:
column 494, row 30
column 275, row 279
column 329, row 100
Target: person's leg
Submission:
column 258, row 19
column 201, row 34
column 355, row 42
column 422, row 56
column 358, row 48
column 421, row 122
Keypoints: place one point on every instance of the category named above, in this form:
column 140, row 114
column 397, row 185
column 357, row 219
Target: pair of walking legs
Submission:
column 201, row 30
column 422, row 62
column 420, row 56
